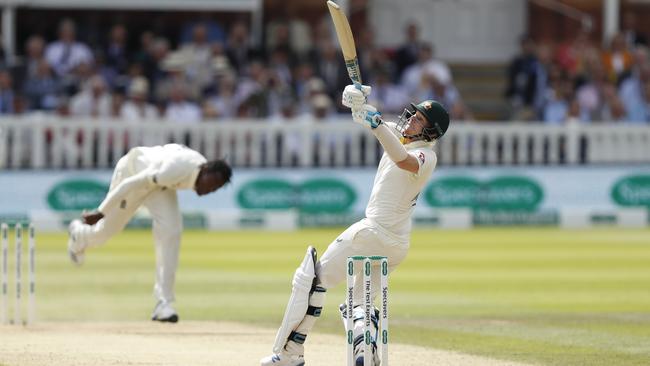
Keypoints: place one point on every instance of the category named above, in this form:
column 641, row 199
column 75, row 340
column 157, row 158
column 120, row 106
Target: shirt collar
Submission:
column 420, row 143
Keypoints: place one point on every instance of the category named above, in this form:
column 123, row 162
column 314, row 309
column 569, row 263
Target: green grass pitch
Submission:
column 542, row 296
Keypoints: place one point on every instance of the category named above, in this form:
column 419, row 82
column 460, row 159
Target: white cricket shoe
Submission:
column 282, row 359
column 164, row 312
column 75, row 247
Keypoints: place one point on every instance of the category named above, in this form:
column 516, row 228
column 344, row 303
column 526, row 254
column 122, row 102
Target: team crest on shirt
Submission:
column 421, row 157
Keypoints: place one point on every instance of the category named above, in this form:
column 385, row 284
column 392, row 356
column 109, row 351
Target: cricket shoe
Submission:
column 164, row 312
column 75, row 247
column 359, row 352
column 282, row 359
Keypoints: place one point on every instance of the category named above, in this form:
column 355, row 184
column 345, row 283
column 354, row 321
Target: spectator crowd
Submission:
column 579, row 81
column 216, row 74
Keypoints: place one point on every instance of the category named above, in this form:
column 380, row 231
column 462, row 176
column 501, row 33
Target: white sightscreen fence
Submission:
column 49, row 142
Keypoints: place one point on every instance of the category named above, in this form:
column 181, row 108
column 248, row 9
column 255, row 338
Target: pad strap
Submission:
column 314, row 311
column 297, row 337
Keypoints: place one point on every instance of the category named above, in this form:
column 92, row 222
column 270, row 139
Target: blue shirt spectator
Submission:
column 632, row 94
column 42, row 89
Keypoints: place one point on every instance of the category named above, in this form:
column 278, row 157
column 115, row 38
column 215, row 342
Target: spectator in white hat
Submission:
column 137, row 108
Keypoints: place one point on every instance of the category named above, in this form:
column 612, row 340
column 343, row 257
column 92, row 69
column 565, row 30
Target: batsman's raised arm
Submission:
column 423, row 122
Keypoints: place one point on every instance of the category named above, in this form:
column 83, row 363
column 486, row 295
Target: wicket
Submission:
column 368, row 309
column 18, row 246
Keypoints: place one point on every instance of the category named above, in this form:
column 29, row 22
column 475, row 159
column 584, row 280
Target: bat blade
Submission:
column 346, row 40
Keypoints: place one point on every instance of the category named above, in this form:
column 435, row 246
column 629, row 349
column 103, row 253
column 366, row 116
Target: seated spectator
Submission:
column 280, row 63
column 66, row 54
column 276, row 92
column 179, row 108
column 523, row 76
column 302, row 74
column 289, row 31
column 238, row 48
column 409, row 52
column 386, row 96
column 644, row 107
column 136, row 108
column 413, row 75
column 144, row 54
column 328, row 66
column 313, row 87
column 446, row 94
column 633, row 93
column 640, row 57
column 198, row 57
column 366, row 53
column 153, row 63
column 94, row 100
column 117, row 101
column 63, row 108
column 321, row 106
column 613, row 108
column 279, row 37
column 223, row 104
column 596, row 97
column 252, row 92
column 7, row 96
column 379, row 62
column 617, row 60
column 556, row 99
column 42, row 89
column 116, row 54
column 174, row 67
column 571, row 55
column 34, row 56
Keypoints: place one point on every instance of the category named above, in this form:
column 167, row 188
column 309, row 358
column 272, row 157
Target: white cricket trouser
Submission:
column 167, row 227
column 362, row 238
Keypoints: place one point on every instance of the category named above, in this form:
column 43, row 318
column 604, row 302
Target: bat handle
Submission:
column 357, row 85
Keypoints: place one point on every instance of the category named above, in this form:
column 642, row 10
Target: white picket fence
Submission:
column 49, row 142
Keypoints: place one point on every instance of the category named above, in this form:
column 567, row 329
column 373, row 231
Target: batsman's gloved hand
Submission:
column 367, row 116
column 91, row 218
column 355, row 96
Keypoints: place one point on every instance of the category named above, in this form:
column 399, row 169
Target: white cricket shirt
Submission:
column 170, row 166
column 395, row 190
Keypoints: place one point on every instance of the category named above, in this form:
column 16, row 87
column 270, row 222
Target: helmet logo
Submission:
column 427, row 105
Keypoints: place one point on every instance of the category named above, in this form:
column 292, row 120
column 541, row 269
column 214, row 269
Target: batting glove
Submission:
column 355, row 97
column 367, row 116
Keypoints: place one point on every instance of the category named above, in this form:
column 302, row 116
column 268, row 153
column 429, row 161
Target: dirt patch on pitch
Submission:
column 185, row 343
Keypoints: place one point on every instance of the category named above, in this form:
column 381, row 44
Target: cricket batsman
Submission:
column 404, row 169
column 150, row 177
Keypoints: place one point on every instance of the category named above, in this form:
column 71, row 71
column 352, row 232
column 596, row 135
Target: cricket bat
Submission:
column 344, row 34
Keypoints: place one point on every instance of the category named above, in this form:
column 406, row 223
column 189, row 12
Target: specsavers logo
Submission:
column 508, row 193
column 77, row 194
column 315, row 195
column 632, row 190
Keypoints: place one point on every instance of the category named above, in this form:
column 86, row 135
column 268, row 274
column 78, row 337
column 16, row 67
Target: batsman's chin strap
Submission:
column 392, row 145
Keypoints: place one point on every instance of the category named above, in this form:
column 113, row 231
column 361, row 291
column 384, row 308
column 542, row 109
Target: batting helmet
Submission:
column 436, row 116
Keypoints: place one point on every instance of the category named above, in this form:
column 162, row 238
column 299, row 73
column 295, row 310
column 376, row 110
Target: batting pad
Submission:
column 302, row 283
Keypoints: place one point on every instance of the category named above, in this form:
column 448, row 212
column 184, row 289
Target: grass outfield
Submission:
column 541, row 296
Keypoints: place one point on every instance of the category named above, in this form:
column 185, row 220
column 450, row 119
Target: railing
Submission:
column 48, row 142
